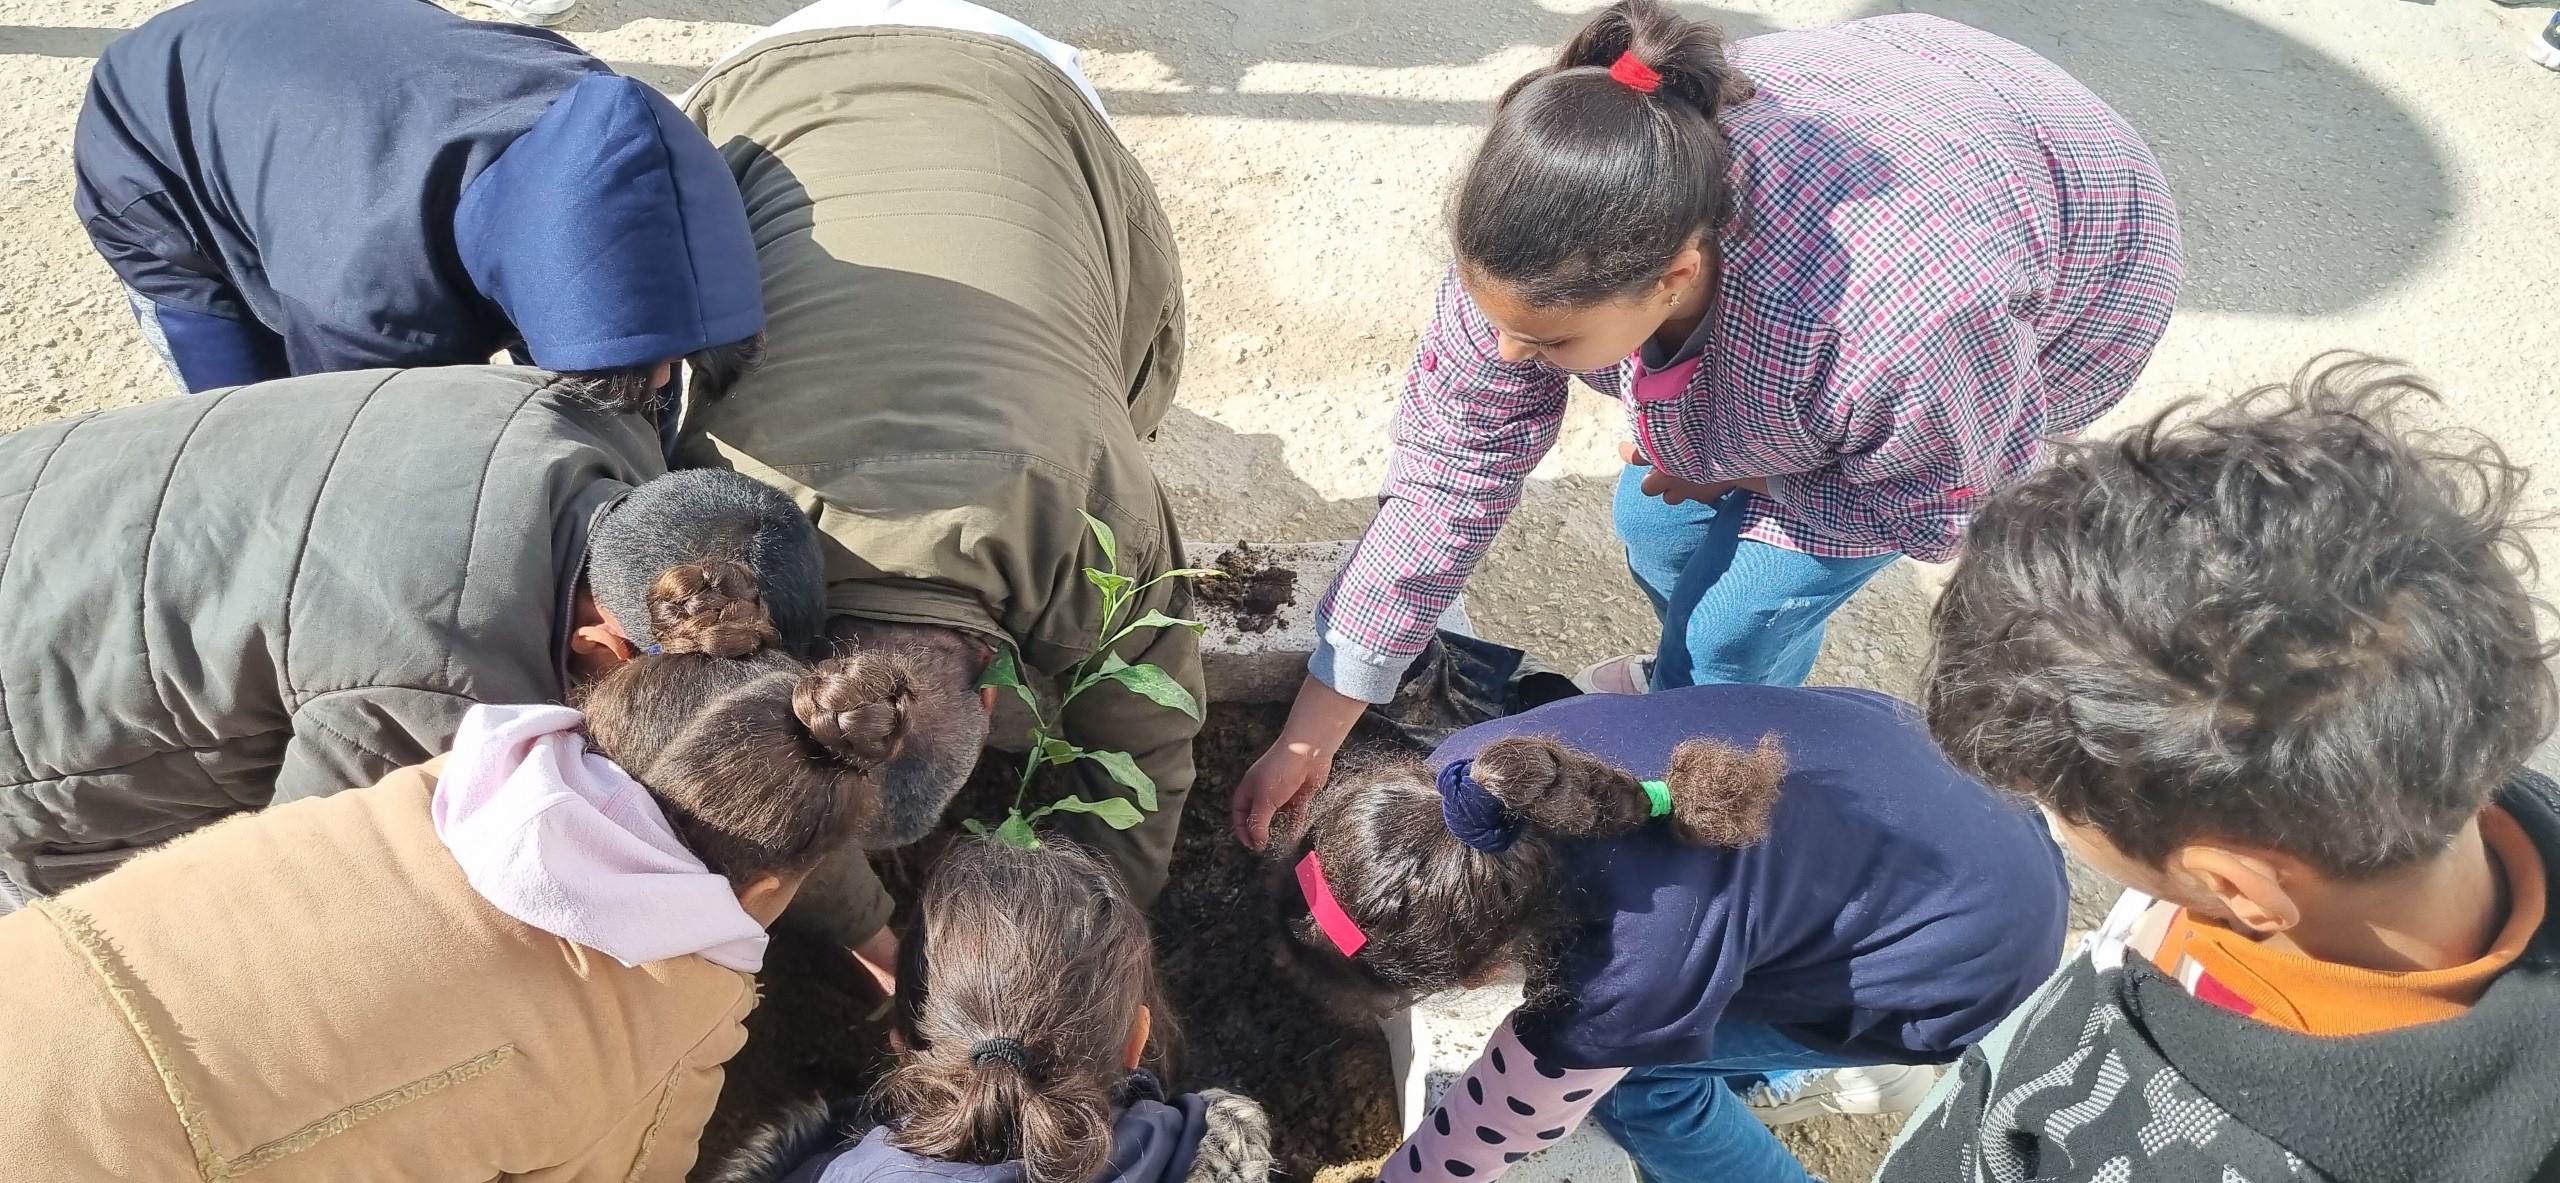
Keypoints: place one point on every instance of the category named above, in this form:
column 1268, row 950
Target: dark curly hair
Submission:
column 2290, row 622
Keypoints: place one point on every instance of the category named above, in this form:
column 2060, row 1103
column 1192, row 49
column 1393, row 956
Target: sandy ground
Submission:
column 2375, row 174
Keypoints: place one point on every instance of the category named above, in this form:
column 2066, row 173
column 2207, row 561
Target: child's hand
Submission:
column 1297, row 765
column 1280, row 782
column 1674, row 491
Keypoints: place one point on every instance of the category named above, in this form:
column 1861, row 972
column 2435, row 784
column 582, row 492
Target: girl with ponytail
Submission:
column 1842, row 281
column 526, row 958
column 1700, row 885
column 1026, row 982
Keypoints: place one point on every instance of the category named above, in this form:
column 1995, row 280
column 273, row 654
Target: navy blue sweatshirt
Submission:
column 1895, row 912
column 299, row 186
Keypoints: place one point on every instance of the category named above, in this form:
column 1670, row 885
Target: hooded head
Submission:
column 611, row 234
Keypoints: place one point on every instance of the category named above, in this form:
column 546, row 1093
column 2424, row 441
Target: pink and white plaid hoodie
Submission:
column 1949, row 252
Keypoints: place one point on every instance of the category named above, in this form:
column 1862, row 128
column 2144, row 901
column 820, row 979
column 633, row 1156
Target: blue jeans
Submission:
column 1732, row 610
column 1684, row 1123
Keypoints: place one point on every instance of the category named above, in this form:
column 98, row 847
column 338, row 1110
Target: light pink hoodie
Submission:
column 564, row 840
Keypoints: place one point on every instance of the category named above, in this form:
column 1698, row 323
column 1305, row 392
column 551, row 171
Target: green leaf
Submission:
column 1016, row 832
column 1102, row 533
column 974, row 826
column 1111, row 585
column 1156, row 685
column 1124, row 769
column 1058, row 751
column 1111, row 663
column 1113, row 811
column 1006, row 671
column 1155, row 619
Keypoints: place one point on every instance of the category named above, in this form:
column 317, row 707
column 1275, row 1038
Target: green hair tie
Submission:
column 1660, row 792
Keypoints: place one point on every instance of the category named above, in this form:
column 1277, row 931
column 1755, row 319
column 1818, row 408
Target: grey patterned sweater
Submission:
column 2115, row 1073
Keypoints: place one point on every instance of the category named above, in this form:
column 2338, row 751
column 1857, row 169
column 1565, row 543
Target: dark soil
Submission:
column 1253, row 593
column 1245, row 1027
column 1325, row 1080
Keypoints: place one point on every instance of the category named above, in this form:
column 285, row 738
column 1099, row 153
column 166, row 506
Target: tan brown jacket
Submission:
column 974, row 318
column 315, row 993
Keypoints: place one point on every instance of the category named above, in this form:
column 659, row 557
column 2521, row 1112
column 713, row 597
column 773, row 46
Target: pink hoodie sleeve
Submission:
column 1508, row 1106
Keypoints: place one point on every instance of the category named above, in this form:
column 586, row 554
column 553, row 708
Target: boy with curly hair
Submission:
column 2276, row 671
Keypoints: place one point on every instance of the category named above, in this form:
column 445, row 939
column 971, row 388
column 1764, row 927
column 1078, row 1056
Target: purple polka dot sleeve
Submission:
column 1508, row 1106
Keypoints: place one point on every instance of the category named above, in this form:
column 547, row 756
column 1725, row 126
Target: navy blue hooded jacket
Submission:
column 299, row 186
column 1895, row 912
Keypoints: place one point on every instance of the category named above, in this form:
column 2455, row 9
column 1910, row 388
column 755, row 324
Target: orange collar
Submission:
column 2324, row 998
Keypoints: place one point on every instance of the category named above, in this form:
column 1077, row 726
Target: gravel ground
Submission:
column 2374, row 174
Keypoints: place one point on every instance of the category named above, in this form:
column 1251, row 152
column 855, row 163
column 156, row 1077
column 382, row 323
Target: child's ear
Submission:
column 2250, row 887
column 765, row 896
column 1134, row 1052
column 597, row 642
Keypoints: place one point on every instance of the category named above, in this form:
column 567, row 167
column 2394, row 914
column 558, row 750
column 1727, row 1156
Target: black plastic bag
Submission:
column 1458, row 682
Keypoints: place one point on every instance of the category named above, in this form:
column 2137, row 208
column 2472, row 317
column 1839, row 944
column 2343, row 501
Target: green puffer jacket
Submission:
column 279, row 591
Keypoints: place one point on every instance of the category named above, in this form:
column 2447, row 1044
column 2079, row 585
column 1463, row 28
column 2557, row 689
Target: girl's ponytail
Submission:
column 1600, row 169
column 1405, row 882
column 1687, row 57
column 762, row 763
column 1020, row 980
column 1719, row 795
column 994, row 1101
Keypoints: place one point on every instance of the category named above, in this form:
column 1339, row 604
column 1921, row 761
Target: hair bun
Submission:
column 856, row 706
column 709, row 607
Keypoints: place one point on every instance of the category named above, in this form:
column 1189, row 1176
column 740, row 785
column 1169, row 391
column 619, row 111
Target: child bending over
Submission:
column 2276, row 672
column 527, row 959
column 1023, row 1012
column 1702, row 884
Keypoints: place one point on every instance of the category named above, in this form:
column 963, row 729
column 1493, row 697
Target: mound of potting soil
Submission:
column 1324, row 1079
column 1253, row 591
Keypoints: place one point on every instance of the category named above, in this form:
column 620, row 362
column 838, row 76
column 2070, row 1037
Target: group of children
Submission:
column 2273, row 668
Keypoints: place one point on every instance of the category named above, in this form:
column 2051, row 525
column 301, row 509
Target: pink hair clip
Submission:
column 1337, row 924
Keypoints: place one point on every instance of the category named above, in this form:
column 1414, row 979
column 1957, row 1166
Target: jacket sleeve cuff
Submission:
column 1359, row 673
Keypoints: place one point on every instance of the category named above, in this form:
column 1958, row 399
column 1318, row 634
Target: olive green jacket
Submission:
column 279, row 591
column 974, row 319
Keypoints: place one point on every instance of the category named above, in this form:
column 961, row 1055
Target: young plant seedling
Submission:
column 1048, row 747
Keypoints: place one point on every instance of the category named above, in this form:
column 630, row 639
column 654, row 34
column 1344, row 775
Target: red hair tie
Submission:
column 1634, row 73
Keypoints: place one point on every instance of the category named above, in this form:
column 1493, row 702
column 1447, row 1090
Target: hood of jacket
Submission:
column 1208, row 1137
column 563, row 839
column 611, row 234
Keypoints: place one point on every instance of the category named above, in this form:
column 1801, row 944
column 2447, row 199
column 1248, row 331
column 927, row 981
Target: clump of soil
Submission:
column 1324, row 1079
column 1253, row 592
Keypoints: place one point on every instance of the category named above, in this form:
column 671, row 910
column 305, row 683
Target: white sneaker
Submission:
column 2546, row 45
column 1631, row 674
column 1884, row 1088
column 544, row 13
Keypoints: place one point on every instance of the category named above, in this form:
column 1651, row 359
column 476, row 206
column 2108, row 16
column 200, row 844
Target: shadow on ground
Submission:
column 2304, row 188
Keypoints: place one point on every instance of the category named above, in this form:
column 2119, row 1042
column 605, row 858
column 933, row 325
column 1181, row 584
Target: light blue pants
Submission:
column 1732, row 610
column 1683, row 1123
